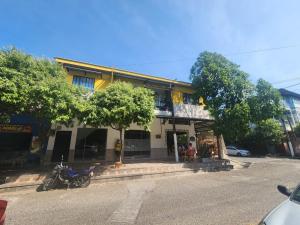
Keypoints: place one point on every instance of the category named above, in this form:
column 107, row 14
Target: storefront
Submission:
column 98, row 144
column 15, row 142
column 90, row 144
column 207, row 142
column 15, row 137
column 137, row 144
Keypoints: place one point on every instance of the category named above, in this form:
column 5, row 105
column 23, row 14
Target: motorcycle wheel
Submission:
column 85, row 181
column 48, row 184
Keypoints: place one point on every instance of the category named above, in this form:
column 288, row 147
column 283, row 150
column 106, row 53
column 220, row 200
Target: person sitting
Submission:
column 191, row 152
column 182, row 152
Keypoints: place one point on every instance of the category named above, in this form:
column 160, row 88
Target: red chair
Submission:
column 3, row 205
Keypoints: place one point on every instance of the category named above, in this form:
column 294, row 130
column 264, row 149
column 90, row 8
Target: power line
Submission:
column 285, row 80
column 293, row 85
column 263, row 50
column 226, row 54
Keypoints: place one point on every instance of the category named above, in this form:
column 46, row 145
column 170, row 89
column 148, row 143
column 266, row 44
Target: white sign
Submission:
column 191, row 111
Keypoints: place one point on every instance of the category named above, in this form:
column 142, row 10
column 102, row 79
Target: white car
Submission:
column 288, row 212
column 231, row 150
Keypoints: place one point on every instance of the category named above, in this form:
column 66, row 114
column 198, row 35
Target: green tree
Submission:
column 265, row 103
column 267, row 133
column 225, row 89
column 13, row 84
column 297, row 130
column 37, row 87
column 118, row 106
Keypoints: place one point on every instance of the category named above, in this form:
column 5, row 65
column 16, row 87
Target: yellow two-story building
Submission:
column 174, row 105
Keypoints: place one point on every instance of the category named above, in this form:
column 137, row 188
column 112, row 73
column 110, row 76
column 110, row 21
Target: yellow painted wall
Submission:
column 177, row 97
column 177, row 94
column 102, row 81
column 69, row 78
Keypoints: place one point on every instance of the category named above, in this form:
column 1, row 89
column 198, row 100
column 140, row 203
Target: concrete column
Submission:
column 192, row 133
column 175, row 147
column 49, row 151
column 72, row 145
column 112, row 136
column 222, row 148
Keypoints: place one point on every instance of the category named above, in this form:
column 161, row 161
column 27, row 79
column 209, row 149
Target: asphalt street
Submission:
column 237, row 197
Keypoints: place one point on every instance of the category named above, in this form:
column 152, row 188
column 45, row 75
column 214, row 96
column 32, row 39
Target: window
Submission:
column 162, row 101
column 187, row 98
column 85, row 82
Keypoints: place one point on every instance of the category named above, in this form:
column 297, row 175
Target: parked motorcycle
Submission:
column 64, row 175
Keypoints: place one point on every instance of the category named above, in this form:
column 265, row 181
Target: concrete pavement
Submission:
column 20, row 180
column 238, row 197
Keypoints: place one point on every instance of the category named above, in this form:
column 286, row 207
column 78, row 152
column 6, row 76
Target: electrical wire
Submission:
column 225, row 54
column 286, row 80
column 293, row 85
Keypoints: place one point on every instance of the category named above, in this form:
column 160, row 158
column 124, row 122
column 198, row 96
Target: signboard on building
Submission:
column 10, row 128
column 191, row 111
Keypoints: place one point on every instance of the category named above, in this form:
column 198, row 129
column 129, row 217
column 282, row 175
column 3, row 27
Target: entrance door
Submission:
column 61, row 146
column 90, row 144
column 137, row 143
column 182, row 139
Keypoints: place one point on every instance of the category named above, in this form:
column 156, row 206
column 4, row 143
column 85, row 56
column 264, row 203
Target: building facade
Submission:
column 291, row 102
column 174, row 105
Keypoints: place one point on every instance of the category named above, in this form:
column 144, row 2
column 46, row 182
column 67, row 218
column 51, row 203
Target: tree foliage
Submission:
column 225, row 89
column 265, row 103
column 119, row 105
column 234, row 101
column 297, row 130
column 37, row 87
column 269, row 132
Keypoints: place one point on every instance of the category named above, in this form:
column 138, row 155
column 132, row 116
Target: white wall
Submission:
column 157, row 128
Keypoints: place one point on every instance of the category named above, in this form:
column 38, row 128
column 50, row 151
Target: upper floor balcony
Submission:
column 191, row 111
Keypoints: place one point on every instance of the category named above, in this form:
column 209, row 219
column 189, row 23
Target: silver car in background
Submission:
column 288, row 212
column 232, row 150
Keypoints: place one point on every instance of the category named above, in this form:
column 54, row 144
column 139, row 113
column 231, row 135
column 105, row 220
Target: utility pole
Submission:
column 174, row 126
column 288, row 139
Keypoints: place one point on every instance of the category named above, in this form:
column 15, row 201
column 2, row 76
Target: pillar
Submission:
column 175, row 147
column 72, row 145
column 221, row 147
column 49, row 151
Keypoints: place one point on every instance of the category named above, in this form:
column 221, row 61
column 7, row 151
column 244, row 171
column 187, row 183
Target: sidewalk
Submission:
column 15, row 180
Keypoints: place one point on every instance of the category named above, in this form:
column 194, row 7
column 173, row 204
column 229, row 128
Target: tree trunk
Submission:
column 121, row 141
column 219, row 145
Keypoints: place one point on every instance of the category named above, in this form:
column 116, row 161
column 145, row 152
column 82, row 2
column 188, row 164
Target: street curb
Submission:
column 101, row 179
column 116, row 178
column 19, row 187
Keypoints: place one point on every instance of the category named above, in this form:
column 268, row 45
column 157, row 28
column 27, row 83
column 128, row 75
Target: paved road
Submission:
column 239, row 197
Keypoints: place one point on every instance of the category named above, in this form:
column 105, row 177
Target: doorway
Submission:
column 90, row 144
column 137, row 143
column 182, row 139
column 61, row 146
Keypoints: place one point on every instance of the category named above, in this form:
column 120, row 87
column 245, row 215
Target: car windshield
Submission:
column 296, row 195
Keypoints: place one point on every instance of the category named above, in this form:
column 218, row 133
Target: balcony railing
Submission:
column 191, row 111
column 159, row 112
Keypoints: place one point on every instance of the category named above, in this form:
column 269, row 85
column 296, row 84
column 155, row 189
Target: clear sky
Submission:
column 160, row 37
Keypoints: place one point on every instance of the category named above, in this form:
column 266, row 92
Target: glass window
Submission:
column 162, row 101
column 85, row 82
column 187, row 98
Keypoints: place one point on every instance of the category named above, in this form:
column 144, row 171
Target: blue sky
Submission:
column 160, row 37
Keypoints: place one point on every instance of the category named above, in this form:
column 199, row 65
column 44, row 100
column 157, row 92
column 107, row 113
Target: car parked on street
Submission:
column 232, row 150
column 288, row 212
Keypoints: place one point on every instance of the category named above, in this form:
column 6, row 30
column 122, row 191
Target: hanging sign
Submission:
column 10, row 128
